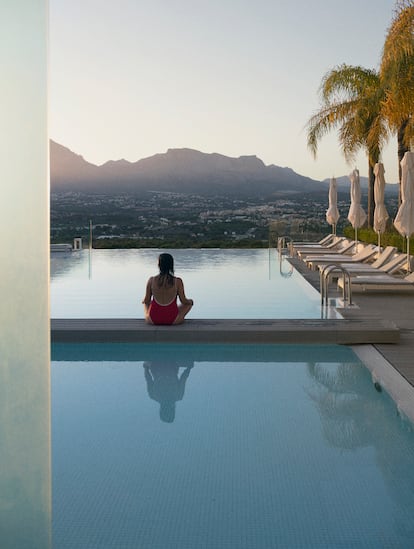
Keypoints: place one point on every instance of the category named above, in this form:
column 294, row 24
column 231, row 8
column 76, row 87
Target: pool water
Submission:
column 223, row 284
column 222, row 446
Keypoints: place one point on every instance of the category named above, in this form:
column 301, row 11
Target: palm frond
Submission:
column 399, row 39
column 347, row 81
column 325, row 120
column 351, row 101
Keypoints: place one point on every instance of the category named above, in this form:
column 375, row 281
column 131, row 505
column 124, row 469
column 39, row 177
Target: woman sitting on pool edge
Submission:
column 160, row 301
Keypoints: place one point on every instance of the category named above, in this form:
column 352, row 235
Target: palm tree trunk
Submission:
column 402, row 149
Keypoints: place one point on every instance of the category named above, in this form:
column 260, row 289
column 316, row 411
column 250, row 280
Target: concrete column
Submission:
column 25, row 494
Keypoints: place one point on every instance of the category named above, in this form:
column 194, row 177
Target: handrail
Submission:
column 329, row 269
column 281, row 247
column 282, row 244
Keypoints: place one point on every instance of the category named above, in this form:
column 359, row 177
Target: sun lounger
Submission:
column 335, row 244
column 328, row 239
column 381, row 283
column 382, row 258
column 365, row 254
column 385, row 256
column 344, row 247
column 394, row 265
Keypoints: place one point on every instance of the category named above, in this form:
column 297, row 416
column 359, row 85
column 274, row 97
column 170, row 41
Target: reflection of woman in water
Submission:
column 160, row 301
column 164, row 386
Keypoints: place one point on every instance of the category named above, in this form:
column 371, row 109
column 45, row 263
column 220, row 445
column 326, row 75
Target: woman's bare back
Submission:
column 163, row 291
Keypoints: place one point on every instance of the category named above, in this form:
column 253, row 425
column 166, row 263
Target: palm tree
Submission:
column 351, row 100
column 397, row 71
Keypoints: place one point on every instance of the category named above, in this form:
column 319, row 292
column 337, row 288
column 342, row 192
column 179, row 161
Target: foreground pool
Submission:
column 183, row 447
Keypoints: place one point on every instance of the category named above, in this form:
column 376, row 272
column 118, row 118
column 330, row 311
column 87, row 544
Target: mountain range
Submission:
column 178, row 170
column 184, row 171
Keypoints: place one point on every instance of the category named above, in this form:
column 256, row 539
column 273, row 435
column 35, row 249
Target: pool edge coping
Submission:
column 337, row 331
column 400, row 389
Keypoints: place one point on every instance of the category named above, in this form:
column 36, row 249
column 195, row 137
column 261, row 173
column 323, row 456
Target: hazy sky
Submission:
column 135, row 77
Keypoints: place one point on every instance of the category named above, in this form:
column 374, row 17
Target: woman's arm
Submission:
column 181, row 294
column 148, row 293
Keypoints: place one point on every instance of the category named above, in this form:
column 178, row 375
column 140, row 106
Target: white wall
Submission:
column 24, row 266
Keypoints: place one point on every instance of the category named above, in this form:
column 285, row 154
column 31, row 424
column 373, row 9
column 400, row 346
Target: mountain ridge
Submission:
column 182, row 170
column 178, row 170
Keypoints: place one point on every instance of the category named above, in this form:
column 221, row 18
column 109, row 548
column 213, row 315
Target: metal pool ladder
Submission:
column 284, row 244
column 324, row 283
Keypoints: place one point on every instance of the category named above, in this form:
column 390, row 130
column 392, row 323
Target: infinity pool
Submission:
column 223, row 284
column 222, row 446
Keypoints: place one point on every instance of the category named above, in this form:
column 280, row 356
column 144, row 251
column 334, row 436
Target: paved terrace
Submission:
column 374, row 308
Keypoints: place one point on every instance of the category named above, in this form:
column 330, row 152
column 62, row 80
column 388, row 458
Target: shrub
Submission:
column 390, row 238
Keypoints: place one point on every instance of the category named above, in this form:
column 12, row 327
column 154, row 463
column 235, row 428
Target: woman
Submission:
column 160, row 301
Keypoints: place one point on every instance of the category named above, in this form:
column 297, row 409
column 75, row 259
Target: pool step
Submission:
column 341, row 331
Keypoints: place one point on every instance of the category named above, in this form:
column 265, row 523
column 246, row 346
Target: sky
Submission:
column 133, row 78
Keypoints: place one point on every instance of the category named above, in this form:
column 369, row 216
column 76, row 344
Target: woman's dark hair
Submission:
column 166, row 266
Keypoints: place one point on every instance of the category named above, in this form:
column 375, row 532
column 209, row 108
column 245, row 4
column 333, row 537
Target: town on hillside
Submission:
column 176, row 220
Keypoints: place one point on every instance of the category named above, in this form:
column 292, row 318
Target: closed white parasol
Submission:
column 404, row 220
column 332, row 213
column 380, row 212
column 356, row 214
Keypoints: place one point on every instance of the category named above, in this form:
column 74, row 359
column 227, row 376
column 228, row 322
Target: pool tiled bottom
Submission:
column 221, row 446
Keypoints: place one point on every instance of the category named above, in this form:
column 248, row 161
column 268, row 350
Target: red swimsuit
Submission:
column 163, row 314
